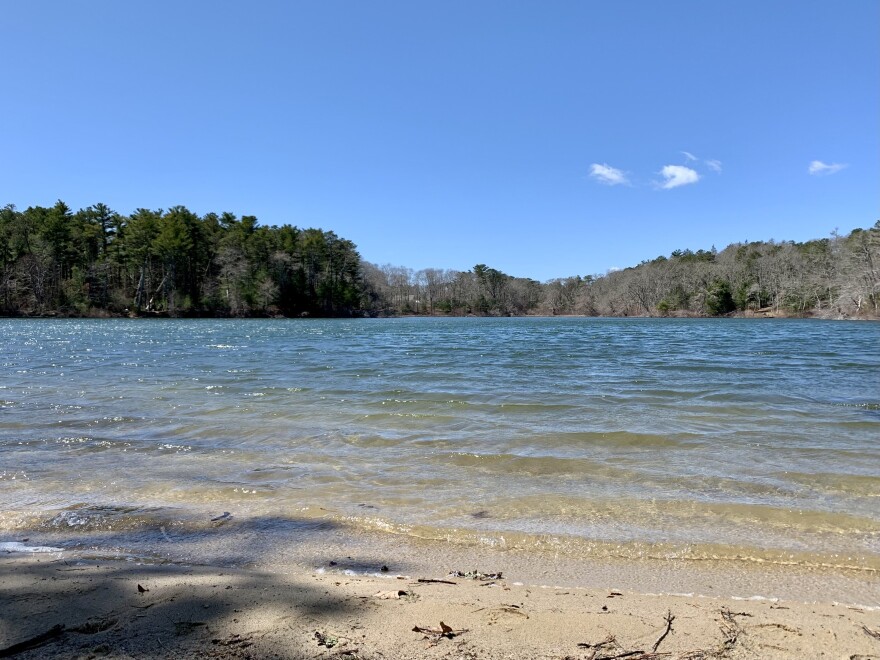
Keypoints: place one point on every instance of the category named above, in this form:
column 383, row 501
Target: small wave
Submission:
column 827, row 482
column 622, row 439
column 530, row 408
column 582, row 548
column 89, row 444
column 17, row 546
column 514, row 464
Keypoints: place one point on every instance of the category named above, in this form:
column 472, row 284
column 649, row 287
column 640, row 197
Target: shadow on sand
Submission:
column 77, row 604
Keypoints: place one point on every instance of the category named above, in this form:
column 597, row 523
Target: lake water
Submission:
column 740, row 440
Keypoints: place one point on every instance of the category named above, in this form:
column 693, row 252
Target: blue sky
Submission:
column 544, row 139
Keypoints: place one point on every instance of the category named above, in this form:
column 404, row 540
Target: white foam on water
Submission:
column 17, row 546
column 866, row 608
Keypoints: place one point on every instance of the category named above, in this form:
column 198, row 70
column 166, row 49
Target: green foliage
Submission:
column 719, row 299
column 96, row 261
column 174, row 262
column 687, row 256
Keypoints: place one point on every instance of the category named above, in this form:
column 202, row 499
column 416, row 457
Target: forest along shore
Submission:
column 96, row 262
column 57, row 607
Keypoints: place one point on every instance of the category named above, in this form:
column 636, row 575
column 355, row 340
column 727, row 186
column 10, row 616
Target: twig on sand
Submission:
column 670, row 617
column 614, row 650
column 730, row 628
column 436, row 634
column 598, row 645
column 433, row 581
column 624, row 654
column 610, row 649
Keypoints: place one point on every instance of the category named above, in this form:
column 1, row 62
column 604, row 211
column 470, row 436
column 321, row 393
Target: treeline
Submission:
column 481, row 291
column 96, row 262
column 831, row 277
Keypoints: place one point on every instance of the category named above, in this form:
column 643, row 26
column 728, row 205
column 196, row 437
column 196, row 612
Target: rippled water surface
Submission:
column 630, row 437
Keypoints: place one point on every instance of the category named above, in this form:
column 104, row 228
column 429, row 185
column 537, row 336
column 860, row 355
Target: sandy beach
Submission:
column 58, row 606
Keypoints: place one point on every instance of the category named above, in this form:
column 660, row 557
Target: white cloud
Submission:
column 689, row 155
column 678, row 175
column 818, row 168
column 714, row 165
column 610, row 176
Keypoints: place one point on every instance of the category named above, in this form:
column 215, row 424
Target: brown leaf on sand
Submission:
column 443, row 631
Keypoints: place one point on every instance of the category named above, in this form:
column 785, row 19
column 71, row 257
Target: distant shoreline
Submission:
column 103, row 314
column 97, row 262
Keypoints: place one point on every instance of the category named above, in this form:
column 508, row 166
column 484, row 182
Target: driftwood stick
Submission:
column 669, row 619
column 873, row 633
column 598, row 645
column 624, row 654
column 433, row 581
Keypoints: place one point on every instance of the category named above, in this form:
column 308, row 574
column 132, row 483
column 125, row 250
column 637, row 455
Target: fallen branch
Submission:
column 615, row 653
column 623, row 654
column 34, row 642
column 598, row 645
column 610, row 649
column 433, row 581
column 872, row 633
column 610, row 640
column 669, row 619
column 730, row 627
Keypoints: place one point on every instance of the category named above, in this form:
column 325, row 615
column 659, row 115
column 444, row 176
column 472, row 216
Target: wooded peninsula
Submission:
column 96, row 262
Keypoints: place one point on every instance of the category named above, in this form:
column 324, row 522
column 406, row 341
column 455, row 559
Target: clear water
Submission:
column 695, row 439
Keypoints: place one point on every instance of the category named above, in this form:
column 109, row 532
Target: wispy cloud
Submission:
column 818, row 168
column 711, row 163
column 610, row 176
column 673, row 176
column 677, row 175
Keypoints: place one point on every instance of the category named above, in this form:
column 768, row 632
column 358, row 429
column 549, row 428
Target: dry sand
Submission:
column 96, row 609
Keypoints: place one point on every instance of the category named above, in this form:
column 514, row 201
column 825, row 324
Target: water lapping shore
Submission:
column 740, row 440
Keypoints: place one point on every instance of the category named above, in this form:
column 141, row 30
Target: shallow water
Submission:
column 695, row 439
